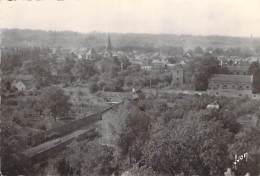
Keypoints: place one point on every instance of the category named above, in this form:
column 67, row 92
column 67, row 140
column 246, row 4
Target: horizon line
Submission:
column 141, row 33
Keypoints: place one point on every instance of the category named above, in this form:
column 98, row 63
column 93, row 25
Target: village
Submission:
column 110, row 100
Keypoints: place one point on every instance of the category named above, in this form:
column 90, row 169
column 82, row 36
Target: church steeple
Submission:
column 109, row 48
column 109, row 45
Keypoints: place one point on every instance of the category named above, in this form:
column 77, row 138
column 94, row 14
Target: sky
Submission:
column 197, row 17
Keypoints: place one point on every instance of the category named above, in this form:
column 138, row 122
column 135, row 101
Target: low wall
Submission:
column 233, row 93
column 64, row 129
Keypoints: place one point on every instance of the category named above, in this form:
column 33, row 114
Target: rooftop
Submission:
column 238, row 67
column 232, row 78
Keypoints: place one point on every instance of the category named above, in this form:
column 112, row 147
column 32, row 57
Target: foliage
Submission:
column 133, row 137
column 198, row 50
column 247, row 141
column 40, row 69
column 203, row 69
column 93, row 88
column 56, row 101
column 65, row 71
column 83, row 69
column 189, row 146
column 87, row 158
column 254, row 69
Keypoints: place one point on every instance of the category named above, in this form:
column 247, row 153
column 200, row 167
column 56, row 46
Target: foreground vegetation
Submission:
column 172, row 135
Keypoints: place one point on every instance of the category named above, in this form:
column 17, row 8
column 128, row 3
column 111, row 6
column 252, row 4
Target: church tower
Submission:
column 109, row 45
column 109, row 48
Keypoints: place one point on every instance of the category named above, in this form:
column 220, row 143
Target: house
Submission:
column 213, row 105
column 146, row 67
column 18, row 85
column 159, row 66
column 230, row 85
column 249, row 120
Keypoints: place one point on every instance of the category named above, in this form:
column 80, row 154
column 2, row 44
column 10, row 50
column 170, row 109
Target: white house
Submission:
column 213, row 105
column 19, row 85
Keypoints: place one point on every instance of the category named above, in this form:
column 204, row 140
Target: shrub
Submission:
column 93, row 88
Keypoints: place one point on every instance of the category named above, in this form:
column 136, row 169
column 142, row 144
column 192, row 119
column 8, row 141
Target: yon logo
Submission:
column 240, row 158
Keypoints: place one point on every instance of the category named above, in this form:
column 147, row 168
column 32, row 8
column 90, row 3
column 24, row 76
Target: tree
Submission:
column 11, row 60
column 65, row 71
column 83, row 69
column 172, row 60
column 191, row 145
column 256, row 82
column 198, row 50
column 254, row 69
column 247, row 141
column 87, row 158
column 203, row 69
column 124, row 62
column 93, row 88
column 56, row 101
column 40, row 69
column 133, row 137
column 118, row 83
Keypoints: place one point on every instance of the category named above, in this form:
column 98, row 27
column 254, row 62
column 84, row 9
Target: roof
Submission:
column 91, row 52
column 158, row 62
column 174, row 66
column 238, row 68
column 232, row 78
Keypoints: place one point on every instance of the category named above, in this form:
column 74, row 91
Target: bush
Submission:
column 93, row 88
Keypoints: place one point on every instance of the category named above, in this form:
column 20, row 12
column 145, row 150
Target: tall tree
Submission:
column 203, row 69
column 56, row 101
column 254, row 69
column 83, row 69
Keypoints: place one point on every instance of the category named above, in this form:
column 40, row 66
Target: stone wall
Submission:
column 64, row 129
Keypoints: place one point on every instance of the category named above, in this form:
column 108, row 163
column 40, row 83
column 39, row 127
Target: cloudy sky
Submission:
column 198, row 17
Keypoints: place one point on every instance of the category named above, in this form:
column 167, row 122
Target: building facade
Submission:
column 230, row 85
column 238, row 69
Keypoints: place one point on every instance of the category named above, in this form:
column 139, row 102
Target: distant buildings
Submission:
column 146, row 67
column 236, row 60
column 237, row 82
